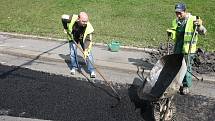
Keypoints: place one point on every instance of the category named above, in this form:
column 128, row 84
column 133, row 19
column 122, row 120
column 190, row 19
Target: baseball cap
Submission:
column 180, row 7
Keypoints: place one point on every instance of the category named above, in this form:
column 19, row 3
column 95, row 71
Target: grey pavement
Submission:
column 51, row 55
column 57, row 50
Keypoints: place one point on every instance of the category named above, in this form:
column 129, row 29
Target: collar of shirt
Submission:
column 182, row 22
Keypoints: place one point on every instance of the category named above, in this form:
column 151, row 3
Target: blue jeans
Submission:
column 74, row 58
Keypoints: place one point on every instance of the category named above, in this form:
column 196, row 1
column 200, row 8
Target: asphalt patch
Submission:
column 33, row 94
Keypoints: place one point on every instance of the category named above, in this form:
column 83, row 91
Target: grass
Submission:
column 140, row 23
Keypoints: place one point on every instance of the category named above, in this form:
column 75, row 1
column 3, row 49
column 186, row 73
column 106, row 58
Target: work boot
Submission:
column 72, row 71
column 184, row 90
column 93, row 74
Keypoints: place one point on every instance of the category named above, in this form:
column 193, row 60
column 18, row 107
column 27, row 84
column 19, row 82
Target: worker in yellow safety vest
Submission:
column 184, row 31
column 79, row 31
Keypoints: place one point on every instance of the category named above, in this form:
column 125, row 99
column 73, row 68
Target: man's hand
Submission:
column 169, row 32
column 198, row 22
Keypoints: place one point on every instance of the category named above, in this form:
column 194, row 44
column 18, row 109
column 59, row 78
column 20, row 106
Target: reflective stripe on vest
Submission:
column 189, row 31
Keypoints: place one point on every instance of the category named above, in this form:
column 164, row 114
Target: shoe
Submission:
column 184, row 90
column 72, row 71
column 92, row 74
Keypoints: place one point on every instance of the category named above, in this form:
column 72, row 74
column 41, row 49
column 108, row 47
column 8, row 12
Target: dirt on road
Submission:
column 203, row 62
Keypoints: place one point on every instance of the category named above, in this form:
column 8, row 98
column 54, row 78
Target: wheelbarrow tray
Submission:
column 165, row 78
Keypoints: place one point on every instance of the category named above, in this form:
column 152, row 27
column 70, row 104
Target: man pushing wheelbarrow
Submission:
column 184, row 31
column 172, row 73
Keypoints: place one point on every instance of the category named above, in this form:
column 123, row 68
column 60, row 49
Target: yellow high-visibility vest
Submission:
column 189, row 31
column 89, row 29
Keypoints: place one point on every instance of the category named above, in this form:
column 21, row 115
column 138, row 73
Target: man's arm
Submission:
column 87, row 45
column 88, row 41
column 65, row 20
column 200, row 28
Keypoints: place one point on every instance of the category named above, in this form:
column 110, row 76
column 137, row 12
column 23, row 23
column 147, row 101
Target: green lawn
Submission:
column 140, row 23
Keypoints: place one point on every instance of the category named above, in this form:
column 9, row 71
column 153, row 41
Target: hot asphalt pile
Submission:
column 33, row 94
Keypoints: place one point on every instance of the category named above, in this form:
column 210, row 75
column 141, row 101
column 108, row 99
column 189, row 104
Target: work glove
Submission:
column 87, row 50
column 169, row 32
column 86, row 54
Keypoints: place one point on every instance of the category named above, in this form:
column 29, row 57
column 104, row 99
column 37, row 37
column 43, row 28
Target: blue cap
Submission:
column 180, row 7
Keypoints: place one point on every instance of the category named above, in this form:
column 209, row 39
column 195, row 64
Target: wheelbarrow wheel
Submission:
column 163, row 113
column 156, row 112
column 173, row 111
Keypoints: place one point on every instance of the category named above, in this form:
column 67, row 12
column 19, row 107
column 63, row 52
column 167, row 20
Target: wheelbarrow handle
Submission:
column 192, row 39
column 168, row 45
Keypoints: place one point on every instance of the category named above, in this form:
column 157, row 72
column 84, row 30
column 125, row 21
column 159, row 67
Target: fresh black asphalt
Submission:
column 39, row 95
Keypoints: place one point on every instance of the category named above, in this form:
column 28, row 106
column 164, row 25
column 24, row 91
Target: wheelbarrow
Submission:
column 162, row 84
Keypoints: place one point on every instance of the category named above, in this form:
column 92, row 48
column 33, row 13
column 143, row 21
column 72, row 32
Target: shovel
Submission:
column 168, row 40
column 109, row 83
column 192, row 39
column 189, row 51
